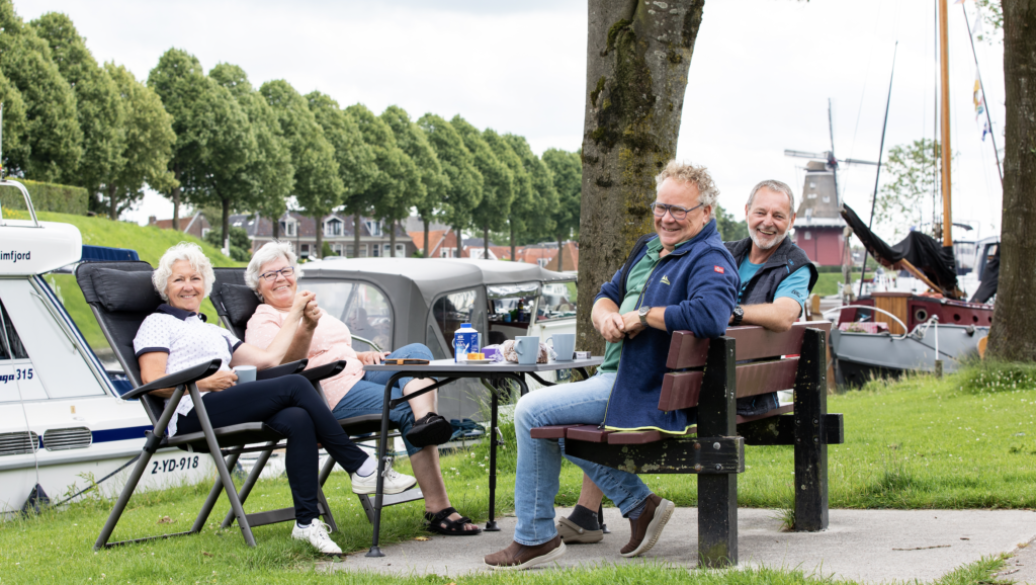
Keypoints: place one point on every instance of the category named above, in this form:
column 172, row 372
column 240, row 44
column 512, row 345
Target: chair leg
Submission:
column 224, row 473
column 325, row 472
column 120, row 504
column 253, row 477
column 217, row 489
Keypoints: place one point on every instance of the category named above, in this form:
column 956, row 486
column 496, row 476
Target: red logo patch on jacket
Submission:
column 719, row 269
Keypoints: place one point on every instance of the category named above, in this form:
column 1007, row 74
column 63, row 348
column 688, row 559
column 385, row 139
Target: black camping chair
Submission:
column 121, row 296
column 236, row 303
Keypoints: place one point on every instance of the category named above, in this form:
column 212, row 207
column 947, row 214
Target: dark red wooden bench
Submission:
column 706, row 374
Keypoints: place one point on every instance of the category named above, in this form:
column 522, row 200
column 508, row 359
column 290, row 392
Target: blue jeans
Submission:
column 368, row 395
column 539, row 460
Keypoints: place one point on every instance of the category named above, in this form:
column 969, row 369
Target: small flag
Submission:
column 719, row 269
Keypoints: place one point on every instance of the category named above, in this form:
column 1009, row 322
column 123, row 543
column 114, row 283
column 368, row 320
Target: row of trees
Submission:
column 214, row 140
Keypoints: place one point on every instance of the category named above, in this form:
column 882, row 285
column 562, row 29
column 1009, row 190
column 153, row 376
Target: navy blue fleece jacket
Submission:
column 697, row 283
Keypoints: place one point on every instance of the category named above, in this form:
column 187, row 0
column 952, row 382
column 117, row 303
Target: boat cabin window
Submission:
column 10, row 344
column 557, row 301
column 361, row 306
column 452, row 309
column 67, row 290
column 511, row 303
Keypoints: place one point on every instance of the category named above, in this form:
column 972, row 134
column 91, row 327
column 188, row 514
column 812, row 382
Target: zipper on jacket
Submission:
column 640, row 301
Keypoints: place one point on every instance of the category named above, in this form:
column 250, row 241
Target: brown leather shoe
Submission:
column 645, row 530
column 517, row 557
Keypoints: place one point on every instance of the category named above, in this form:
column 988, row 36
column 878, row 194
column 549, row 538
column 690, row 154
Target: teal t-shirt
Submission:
column 635, row 282
column 794, row 287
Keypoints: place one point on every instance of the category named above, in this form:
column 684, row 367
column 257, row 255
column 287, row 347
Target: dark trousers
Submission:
column 291, row 406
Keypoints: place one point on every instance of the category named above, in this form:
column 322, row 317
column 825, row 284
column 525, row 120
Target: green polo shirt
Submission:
column 634, row 287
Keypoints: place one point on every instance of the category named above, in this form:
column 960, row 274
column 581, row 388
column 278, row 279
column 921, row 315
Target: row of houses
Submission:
column 376, row 240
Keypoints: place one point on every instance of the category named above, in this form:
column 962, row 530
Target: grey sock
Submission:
column 369, row 466
column 301, row 525
column 585, row 518
column 636, row 512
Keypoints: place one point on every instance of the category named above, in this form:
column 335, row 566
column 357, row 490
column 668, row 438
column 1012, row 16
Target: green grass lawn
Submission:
column 150, row 243
column 963, row 442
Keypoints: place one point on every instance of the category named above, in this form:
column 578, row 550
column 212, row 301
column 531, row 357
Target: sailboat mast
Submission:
column 944, row 62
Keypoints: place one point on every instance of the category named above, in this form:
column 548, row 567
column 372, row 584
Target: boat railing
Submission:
column 869, row 308
column 28, row 201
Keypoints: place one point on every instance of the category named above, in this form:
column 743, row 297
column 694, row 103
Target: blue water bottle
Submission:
column 466, row 340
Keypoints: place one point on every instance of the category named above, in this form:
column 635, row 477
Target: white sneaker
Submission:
column 316, row 534
column 394, row 483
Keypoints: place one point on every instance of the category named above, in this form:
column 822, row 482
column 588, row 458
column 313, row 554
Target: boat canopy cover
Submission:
column 105, row 254
column 935, row 261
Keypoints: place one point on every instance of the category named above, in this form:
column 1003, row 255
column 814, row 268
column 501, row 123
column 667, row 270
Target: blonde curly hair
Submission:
column 190, row 252
column 697, row 176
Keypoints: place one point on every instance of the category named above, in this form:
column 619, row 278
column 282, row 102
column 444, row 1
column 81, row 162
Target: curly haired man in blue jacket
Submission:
column 680, row 278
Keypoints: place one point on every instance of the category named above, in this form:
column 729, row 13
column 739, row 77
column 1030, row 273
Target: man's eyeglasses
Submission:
column 273, row 274
column 678, row 213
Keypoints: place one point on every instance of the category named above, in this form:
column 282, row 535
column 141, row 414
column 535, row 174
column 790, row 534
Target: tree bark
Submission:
column 392, row 239
column 514, row 254
column 113, row 206
column 426, row 248
column 225, row 224
column 1012, row 336
column 319, row 251
column 561, row 254
column 276, row 226
column 638, row 57
column 176, row 200
column 460, row 242
column 485, row 242
column 356, row 235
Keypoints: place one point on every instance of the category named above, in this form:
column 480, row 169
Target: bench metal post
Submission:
column 717, row 494
column 810, row 439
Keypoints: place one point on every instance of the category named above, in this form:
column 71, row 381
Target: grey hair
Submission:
column 268, row 253
column 776, row 187
column 190, row 252
column 697, row 176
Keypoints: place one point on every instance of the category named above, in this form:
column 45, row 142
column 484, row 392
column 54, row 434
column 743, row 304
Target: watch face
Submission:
column 643, row 311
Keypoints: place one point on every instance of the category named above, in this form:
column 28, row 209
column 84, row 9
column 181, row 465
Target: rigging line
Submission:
column 21, row 399
column 881, row 152
column 982, row 86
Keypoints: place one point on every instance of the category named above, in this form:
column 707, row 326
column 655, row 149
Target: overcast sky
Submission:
column 760, row 77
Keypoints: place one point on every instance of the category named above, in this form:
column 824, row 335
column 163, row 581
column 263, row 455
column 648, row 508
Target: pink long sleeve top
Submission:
column 331, row 342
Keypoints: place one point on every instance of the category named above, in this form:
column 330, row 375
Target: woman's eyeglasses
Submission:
column 678, row 213
column 273, row 274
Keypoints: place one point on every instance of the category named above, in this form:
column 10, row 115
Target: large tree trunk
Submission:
column 426, row 248
column 485, row 242
column 514, row 254
column 319, row 252
column 561, row 253
column 392, row 238
column 276, row 227
column 225, row 225
column 113, row 205
column 356, row 235
column 176, row 199
column 638, row 57
column 460, row 242
column 1012, row 336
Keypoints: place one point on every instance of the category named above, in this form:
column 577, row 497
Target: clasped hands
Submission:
column 615, row 326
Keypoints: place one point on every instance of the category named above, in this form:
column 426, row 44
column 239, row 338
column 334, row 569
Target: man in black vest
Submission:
column 776, row 275
column 776, row 279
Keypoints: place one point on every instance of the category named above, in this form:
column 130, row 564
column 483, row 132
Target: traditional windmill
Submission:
column 818, row 223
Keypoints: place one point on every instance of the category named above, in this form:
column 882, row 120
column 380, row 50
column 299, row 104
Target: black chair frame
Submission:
column 119, row 319
column 235, row 304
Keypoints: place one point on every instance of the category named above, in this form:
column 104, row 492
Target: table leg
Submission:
column 493, row 442
column 375, row 550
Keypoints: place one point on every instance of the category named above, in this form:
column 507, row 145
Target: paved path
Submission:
column 870, row 546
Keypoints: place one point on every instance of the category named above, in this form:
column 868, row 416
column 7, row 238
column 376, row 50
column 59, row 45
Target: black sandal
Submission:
column 440, row 523
column 430, row 429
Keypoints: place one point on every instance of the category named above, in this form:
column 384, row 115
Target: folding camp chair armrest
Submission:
column 324, row 372
column 295, row 367
column 192, row 374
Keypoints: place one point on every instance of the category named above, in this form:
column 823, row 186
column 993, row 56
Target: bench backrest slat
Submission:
column 687, row 351
column 765, row 377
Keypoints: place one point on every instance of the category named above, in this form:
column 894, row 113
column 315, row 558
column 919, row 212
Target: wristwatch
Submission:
column 643, row 313
column 739, row 314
